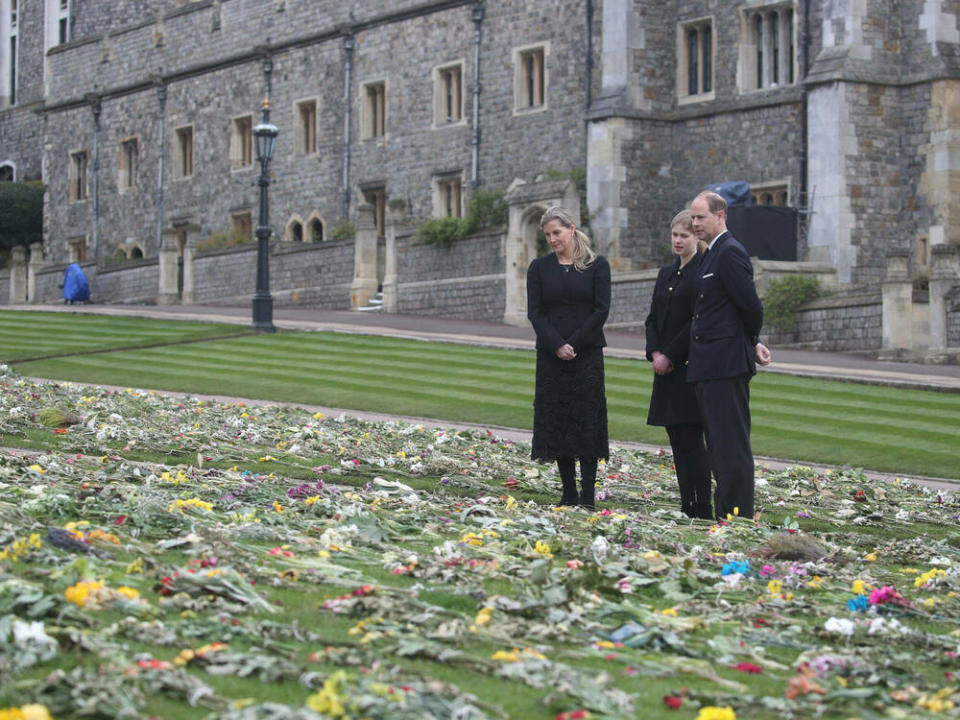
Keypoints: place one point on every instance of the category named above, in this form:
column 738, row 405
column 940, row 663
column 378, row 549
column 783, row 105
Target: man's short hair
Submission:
column 715, row 203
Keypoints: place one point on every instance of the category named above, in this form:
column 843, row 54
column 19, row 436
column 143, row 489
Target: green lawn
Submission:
column 26, row 335
column 840, row 423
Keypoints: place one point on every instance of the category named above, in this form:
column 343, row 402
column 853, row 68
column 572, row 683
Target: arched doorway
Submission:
column 527, row 203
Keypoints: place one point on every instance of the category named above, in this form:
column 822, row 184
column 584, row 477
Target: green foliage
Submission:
column 21, row 214
column 218, row 240
column 343, row 230
column 485, row 209
column 442, row 231
column 783, row 297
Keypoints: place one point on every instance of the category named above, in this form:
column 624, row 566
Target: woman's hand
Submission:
column 565, row 352
column 662, row 365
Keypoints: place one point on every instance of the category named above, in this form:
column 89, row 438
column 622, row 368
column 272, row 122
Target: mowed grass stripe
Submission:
column 354, row 389
column 884, row 454
column 324, row 367
column 787, row 388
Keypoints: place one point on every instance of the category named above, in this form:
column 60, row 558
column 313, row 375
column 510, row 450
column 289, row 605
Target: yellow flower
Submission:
column 182, row 505
column 128, row 592
column 717, row 713
column 511, row 502
column 506, row 656
column 542, row 548
column 136, row 567
column 79, row 593
column 330, row 699
column 670, row 611
column 858, row 587
column 774, row 587
column 870, row 557
column 277, row 506
column 928, row 577
column 37, row 469
column 816, row 582
column 318, row 416
column 313, row 499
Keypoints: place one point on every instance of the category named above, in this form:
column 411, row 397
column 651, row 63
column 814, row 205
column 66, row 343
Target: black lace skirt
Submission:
column 570, row 407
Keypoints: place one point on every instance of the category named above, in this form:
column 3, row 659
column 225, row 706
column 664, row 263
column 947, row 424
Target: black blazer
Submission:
column 672, row 399
column 566, row 305
column 727, row 314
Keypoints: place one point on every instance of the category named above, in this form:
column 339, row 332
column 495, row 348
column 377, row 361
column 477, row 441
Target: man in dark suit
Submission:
column 724, row 352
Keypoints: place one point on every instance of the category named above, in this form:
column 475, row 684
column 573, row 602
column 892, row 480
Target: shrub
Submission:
column 21, row 214
column 343, row 230
column 486, row 208
column 783, row 297
column 218, row 240
column 442, row 231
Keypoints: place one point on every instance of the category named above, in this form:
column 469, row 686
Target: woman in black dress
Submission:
column 568, row 298
column 673, row 402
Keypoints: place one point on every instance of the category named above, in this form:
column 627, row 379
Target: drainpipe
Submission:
column 349, row 43
column 478, row 13
column 589, row 63
column 804, row 125
column 97, row 108
column 161, row 158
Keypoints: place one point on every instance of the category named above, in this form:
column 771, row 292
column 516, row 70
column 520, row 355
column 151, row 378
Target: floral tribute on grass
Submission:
column 176, row 558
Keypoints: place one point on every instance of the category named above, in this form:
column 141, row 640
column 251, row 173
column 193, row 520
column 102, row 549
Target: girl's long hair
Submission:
column 583, row 254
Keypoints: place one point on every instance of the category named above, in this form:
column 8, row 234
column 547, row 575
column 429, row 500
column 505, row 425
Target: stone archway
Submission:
column 527, row 202
column 176, row 264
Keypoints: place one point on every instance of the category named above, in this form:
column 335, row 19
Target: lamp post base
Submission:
column 263, row 314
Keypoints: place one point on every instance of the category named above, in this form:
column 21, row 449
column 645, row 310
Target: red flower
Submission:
column 746, row 667
column 673, row 701
column 511, row 482
column 121, row 519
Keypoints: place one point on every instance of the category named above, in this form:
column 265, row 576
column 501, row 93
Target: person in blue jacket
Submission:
column 723, row 354
column 568, row 299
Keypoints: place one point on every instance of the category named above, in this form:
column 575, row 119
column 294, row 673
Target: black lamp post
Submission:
column 265, row 140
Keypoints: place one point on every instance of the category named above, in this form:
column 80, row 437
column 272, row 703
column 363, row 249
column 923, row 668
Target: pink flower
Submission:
column 884, row 595
column 768, row 571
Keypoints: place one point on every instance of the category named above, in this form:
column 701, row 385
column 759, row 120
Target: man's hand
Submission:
column 763, row 355
column 662, row 365
column 565, row 352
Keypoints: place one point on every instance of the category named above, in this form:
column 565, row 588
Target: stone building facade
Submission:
column 136, row 115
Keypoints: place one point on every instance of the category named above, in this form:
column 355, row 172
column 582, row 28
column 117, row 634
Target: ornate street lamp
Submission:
column 265, row 140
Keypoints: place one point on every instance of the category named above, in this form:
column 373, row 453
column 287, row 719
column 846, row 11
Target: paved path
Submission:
column 943, row 378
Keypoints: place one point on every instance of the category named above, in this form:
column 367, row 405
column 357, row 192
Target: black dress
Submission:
column 673, row 400
column 566, row 305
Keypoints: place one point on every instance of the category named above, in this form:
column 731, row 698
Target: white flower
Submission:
column 30, row 633
column 599, row 549
column 841, row 626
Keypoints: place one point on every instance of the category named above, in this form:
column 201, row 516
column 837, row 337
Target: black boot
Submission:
column 588, row 479
column 568, row 478
column 702, row 510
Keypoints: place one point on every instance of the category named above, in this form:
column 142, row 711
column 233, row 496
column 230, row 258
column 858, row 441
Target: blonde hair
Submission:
column 583, row 254
column 684, row 218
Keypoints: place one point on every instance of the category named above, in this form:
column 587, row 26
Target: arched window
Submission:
column 136, row 252
column 6, row 172
column 294, row 229
column 316, row 230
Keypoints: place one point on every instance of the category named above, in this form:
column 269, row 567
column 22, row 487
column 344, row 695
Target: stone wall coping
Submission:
column 873, row 298
column 635, row 275
column 754, row 101
column 790, row 266
column 129, row 265
column 494, row 277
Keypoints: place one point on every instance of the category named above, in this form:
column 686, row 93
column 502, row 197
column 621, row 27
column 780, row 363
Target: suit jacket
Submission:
column 727, row 314
column 672, row 399
column 566, row 305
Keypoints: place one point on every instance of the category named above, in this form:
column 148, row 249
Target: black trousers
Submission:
column 692, row 464
column 725, row 408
